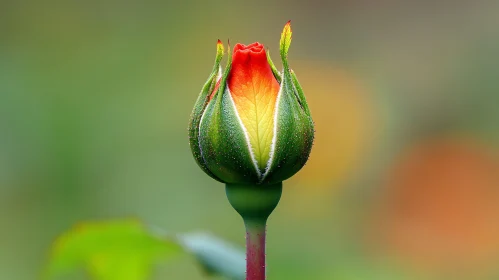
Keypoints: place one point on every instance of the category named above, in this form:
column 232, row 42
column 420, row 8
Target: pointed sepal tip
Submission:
column 220, row 49
column 285, row 39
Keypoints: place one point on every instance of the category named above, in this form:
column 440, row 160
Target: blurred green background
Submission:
column 95, row 98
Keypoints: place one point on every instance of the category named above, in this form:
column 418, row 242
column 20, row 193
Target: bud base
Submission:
column 254, row 202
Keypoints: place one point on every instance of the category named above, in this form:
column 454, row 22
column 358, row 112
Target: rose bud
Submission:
column 251, row 123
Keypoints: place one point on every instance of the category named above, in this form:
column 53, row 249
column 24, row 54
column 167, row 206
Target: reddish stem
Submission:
column 255, row 250
column 254, row 203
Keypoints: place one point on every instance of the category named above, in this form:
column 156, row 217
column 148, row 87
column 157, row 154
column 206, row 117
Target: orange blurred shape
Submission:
column 343, row 118
column 440, row 208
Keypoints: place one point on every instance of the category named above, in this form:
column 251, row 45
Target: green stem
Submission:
column 254, row 203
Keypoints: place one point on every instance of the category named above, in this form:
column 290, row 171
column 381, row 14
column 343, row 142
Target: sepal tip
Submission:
column 285, row 41
column 220, row 49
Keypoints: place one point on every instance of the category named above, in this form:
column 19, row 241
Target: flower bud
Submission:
column 251, row 124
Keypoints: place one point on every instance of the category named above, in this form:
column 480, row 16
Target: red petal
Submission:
column 254, row 90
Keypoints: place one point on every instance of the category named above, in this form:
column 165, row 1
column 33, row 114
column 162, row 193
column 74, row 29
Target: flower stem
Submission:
column 254, row 203
column 255, row 250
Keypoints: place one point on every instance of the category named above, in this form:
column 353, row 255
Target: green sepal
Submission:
column 299, row 93
column 285, row 42
column 199, row 108
column 276, row 73
column 223, row 82
column 295, row 127
column 295, row 135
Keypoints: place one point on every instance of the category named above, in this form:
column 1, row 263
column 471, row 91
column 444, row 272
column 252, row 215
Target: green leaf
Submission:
column 126, row 250
column 117, row 250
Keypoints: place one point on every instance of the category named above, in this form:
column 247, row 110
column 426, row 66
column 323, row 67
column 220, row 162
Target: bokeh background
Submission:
column 403, row 180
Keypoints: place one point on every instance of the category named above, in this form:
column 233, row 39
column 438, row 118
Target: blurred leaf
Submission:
column 126, row 250
column 116, row 250
column 215, row 255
